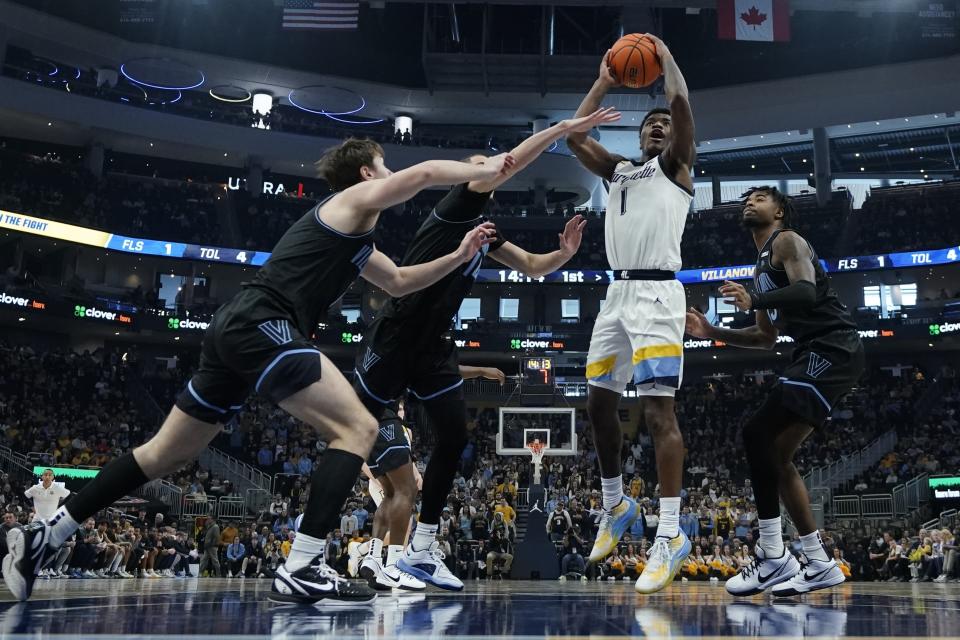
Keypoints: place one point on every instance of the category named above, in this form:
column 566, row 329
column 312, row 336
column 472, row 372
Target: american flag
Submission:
column 320, row 14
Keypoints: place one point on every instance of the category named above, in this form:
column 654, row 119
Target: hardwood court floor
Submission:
column 217, row 608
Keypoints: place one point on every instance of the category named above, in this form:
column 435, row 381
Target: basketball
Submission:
column 633, row 61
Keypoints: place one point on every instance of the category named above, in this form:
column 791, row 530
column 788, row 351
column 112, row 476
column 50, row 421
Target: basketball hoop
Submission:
column 537, row 451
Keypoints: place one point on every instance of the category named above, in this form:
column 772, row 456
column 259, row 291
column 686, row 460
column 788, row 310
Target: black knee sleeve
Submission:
column 448, row 416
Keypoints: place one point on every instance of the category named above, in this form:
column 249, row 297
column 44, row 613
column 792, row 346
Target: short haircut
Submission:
column 782, row 200
column 340, row 165
column 652, row 112
column 45, row 470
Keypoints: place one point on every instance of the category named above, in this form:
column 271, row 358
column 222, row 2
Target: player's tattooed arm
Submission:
column 540, row 264
column 682, row 152
column 791, row 253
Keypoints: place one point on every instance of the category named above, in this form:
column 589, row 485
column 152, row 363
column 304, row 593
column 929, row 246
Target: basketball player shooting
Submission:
column 259, row 341
column 394, row 482
column 792, row 294
column 638, row 334
column 406, row 348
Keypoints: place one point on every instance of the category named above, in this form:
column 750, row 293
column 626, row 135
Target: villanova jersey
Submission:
column 646, row 212
column 430, row 310
column 826, row 315
column 310, row 268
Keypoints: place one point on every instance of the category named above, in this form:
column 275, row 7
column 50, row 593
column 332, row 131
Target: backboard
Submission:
column 520, row 426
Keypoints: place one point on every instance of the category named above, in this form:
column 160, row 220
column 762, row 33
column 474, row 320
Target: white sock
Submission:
column 376, row 548
column 424, row 536
column 612, row 491
column 394, row 551
column 771, row 537
column 305, row 548
column 669, row 526
column 813, row 547
column 62, row 526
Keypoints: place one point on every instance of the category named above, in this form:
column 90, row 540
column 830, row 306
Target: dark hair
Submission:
column 340, row 165
column 782, row 200
column 652, row 112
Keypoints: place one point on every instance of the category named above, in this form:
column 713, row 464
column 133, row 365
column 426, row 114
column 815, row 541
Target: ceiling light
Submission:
column 262, row 103
column 863, row 168
column 857, row 154
column 911, row 148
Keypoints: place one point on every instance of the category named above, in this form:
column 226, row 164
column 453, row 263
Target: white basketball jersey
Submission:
column 646, row 213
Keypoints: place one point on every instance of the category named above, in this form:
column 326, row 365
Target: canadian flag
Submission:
column 757, row 20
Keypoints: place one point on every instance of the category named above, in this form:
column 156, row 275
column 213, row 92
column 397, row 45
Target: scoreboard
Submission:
column 537, row 371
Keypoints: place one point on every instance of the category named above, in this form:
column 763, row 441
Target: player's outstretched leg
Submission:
column 331, row 407
column 180, row 440
column 671, row 546
column 619, row 511
column 422, row 557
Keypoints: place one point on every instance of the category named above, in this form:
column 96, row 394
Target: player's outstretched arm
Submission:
column 399, row 281
column 589, row 152
column 762, row 335
column 376, row 195
column 682, row 152
column 540, row 264
column 528, row 150
column 490, row 373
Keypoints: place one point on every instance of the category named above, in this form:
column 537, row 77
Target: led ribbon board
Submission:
column 945, row 488
column 67, row 472
column 209, row 253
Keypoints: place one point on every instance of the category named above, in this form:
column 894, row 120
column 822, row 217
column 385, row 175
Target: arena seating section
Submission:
column 76, row 410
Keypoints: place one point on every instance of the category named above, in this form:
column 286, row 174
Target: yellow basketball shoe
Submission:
column 612, row 527
column 665, row 559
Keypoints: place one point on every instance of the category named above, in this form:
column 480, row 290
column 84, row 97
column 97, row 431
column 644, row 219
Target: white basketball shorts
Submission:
column 638, row 336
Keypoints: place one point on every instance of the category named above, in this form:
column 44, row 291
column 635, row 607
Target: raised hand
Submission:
column 606, row 76
column 736, row 295
column 697, row 324
column 498, row 165
column 572, row 235
column 476, row 238
column 662, row 50
column 604, row 115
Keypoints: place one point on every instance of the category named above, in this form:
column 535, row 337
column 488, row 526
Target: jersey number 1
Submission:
column 623, row 201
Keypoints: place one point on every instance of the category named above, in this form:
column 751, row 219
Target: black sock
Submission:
column 117, row 479
column 330, row 484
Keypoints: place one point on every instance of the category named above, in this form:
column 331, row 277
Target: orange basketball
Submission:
column 633, row 61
